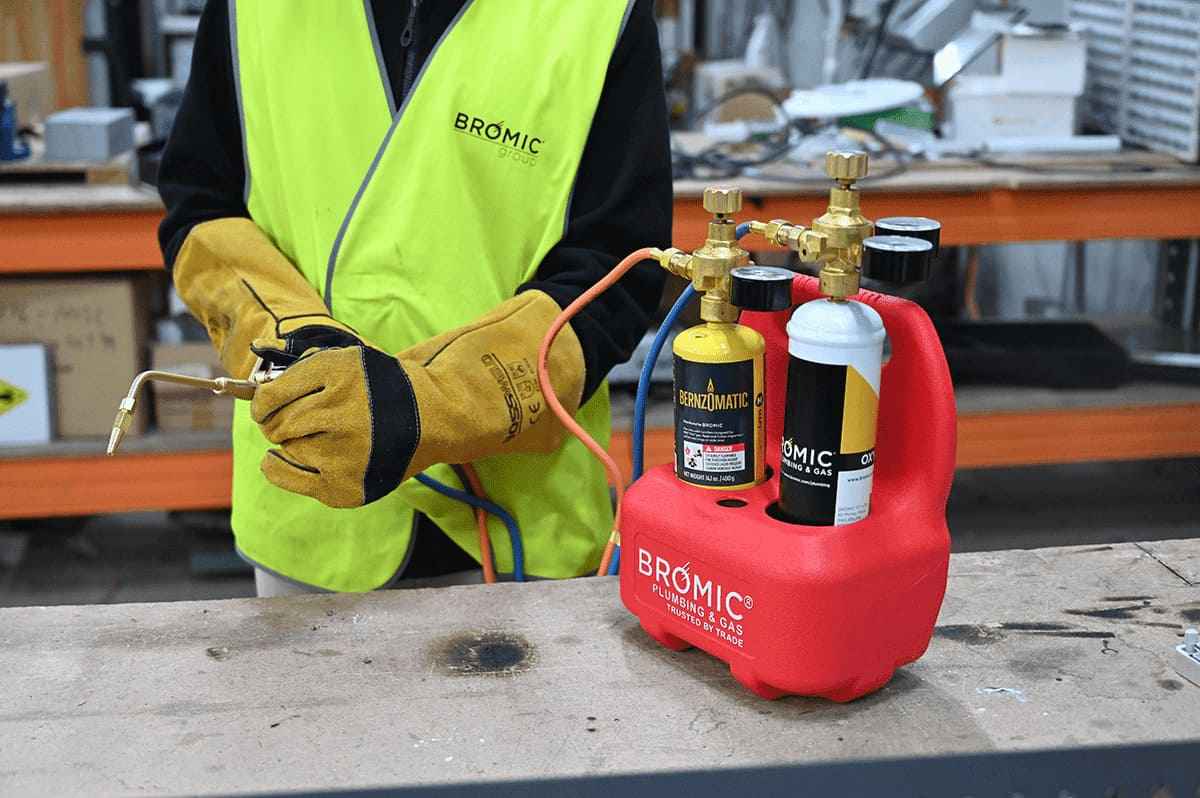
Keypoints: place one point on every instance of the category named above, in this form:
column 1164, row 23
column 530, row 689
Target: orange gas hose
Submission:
column 971, row 285
column 485, row 539
column 560, row 321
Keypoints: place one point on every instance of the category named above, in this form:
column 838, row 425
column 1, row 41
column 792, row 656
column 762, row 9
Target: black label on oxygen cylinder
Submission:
column 714, row 422
column 820, row 484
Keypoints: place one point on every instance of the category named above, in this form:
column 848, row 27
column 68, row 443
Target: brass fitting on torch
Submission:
column 835, row 240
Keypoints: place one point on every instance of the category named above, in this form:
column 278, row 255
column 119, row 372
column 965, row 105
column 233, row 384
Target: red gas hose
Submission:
column 560, row 321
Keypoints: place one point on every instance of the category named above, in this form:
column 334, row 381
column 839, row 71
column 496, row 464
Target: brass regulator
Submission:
column 834, row 239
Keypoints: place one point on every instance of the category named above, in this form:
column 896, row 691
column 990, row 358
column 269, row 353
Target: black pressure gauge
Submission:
column 913, row 226
column 764, row 288
column 897, row 259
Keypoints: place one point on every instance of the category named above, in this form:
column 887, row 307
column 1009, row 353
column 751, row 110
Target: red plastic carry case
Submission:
column 821, row 611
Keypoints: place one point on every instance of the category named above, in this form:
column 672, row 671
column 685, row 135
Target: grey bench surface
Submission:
column 1047, row 648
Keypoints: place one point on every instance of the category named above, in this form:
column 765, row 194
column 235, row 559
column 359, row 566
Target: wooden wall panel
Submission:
column 50, row 31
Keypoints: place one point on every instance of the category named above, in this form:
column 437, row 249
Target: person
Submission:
column 395, row 199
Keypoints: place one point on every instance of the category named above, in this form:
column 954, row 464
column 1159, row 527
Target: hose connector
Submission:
column 776, row 231
column 809, row 245
column 676, row 261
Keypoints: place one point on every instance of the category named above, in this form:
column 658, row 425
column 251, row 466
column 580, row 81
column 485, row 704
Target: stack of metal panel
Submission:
column 1144, row 71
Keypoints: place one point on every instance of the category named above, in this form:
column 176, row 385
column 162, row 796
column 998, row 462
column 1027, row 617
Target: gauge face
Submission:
column 902, row 245
column 761, row 287
column 762, row 273
column 897, row 259
column 907, row 224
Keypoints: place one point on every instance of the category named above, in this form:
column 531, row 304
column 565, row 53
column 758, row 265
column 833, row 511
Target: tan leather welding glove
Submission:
column 244, row 290
column 353, row 423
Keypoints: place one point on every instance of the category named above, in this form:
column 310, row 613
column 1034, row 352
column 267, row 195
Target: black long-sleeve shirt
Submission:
column 622, row 193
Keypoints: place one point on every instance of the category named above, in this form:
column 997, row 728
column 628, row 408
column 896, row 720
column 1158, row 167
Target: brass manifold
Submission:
column 834, row 239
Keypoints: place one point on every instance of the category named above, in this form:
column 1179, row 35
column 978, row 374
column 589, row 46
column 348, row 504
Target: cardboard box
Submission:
column 31, row 88
column 179, row 408
column 95, row 328
column 26, row 404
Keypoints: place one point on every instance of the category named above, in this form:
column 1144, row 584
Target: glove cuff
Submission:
column 477, row 388
column 242, row 288
column 395, row 423
column 300, row 334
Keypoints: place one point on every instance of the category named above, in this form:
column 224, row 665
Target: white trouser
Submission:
column 268, row 585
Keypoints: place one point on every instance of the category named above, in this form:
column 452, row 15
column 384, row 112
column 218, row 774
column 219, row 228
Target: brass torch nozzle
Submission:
column 121, row 424
column 222, row 386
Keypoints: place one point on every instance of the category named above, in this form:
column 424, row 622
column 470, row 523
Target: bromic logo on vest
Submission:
column 712, row 401
column 515, row 145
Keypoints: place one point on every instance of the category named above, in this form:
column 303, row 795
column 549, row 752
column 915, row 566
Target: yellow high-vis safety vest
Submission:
column 415, row 220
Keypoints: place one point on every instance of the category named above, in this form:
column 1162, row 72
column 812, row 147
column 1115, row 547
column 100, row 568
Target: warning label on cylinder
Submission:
column 713, row 457
column 715, row 406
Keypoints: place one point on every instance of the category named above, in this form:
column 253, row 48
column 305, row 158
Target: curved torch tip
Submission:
column 242, row 389
column 114, row 440
column 120, row 425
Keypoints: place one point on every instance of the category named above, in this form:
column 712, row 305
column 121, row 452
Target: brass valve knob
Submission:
column 721, row 200
column 846, row 165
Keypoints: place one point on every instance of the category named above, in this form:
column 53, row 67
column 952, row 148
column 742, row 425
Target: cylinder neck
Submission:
column 715, row 309
column 838, row 280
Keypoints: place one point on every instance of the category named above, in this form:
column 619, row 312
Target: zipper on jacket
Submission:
column 408, row 43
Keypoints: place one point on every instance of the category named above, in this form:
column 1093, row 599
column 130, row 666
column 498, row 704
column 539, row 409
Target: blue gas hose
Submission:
column 643, row 388
column 514, row 532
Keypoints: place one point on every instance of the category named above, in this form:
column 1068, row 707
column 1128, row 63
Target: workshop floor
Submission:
column 153, row 557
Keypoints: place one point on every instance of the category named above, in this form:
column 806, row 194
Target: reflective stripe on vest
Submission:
column 414, row 224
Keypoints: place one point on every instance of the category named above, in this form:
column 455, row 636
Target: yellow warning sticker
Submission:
column 10, row 397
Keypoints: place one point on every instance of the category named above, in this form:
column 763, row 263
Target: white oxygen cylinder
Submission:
column 835, row 351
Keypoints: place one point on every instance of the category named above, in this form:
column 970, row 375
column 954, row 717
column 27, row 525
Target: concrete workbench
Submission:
column 1037, row 649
